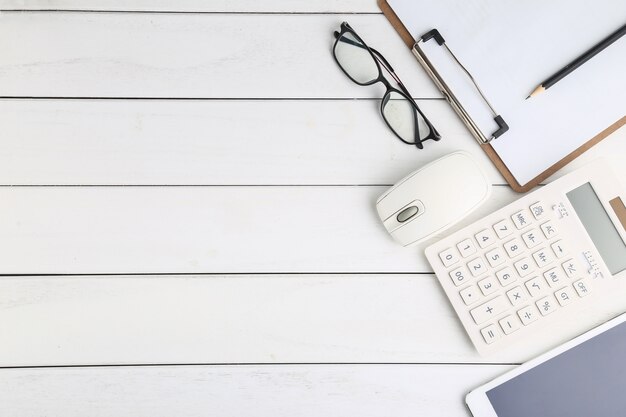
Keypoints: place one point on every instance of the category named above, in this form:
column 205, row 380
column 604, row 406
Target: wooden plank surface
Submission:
column 231, row 319
column 198, row 6
column 219, row 171
column 215, row 142
column 226, row 142
column 93, row 230
column 287, row 390
column 190, row 56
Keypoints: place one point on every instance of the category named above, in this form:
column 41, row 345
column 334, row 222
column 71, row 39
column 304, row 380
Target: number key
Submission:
column 485, row 238
column 477, row 266
column 506, row 276
column 503, row 228
column 488, row 286
column 524, row 267
column 466, row 248
column 448, row 257
column 513, row 247
column 459, row 275
column 495, row 257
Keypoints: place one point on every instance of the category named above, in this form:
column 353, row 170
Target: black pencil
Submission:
column 578, row 62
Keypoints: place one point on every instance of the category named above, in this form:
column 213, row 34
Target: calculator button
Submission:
column 571, row 268
column 470, row 294
column 495, row 257
column 528, row 314
column 559, row 248
column 535, row 286
column 554, row 277
column 506, row 276
column 485, row 238
column 488, row 285
column 477, row 266
column 564, row 296
column 490, row 309
column 466, row 248
column 582, row 287
column 546, row 305
column 532, row 238
column 448, row 257
column 513, row 248
column 459, row 275
column 509, row 324
column 524, row 267
column 503, row 228
column 490, row 333
column 548, row 229
column 521, row 219
column 538, row 210
column 543, row 257
column 516, row 296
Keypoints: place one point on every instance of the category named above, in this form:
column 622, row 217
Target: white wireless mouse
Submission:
column 433, row 198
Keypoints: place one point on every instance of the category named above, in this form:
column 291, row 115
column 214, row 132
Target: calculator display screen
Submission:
column 599, row 226
column 586, row 380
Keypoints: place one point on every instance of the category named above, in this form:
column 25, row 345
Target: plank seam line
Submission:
column 209, row 98
column 117, row 11
column 268, row 364
column 198, row 185
column 201, row 274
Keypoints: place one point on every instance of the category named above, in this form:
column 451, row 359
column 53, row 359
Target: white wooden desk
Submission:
column 187, row 224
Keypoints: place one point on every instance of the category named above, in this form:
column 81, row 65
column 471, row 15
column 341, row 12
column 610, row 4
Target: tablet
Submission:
column 584, row 377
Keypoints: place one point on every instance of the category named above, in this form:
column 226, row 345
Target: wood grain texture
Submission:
column 321, row 390
column 198, row 6
column 86, row 230
column 190, row 56
column 232, row 319
column 225, row 142
column 216, row 142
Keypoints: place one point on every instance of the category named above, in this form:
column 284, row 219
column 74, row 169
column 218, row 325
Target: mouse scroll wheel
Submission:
column 407, row 214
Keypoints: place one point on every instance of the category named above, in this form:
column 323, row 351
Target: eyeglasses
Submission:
column 362, row 65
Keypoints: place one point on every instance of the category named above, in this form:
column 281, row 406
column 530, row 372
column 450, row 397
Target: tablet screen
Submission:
column 587, row 380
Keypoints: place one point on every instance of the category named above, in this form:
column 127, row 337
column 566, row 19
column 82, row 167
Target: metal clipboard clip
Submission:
column 480, row 136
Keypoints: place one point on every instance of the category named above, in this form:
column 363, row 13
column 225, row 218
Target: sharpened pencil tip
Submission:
column 527, row 98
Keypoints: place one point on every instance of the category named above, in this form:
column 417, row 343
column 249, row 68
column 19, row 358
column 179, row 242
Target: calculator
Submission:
column 543, row 265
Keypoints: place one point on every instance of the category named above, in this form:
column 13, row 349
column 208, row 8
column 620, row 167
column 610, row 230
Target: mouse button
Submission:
column 404, row 216
column 407, row 214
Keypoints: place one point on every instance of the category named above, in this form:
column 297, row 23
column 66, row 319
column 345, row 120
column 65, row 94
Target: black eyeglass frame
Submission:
column 380, row 60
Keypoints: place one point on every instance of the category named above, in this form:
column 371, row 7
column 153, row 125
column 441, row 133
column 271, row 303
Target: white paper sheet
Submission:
column 511, row 46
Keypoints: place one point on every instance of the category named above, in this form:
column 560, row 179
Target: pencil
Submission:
column 558, row 76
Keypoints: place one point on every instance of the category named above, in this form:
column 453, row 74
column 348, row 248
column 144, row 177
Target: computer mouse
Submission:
column 433, row 198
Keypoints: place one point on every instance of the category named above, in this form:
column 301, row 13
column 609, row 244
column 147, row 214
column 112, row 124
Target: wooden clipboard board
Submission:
column 487, row 148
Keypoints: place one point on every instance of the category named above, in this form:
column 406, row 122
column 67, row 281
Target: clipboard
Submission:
column 489, row 147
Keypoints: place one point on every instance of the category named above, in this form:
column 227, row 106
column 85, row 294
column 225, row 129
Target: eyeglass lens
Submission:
column 355, row 59
column 403, row 118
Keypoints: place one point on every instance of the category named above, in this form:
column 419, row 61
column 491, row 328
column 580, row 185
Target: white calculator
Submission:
column 542, row 269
